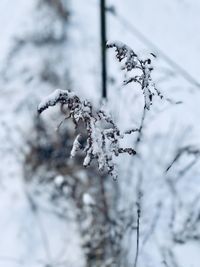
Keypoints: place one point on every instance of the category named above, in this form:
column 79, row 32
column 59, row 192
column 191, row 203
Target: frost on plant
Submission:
column 102, row 135
column 141, row 69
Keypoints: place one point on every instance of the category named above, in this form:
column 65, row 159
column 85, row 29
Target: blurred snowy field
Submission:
column 41, row 239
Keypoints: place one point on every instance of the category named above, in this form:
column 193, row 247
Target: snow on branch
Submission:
column 102, row 134
column 142, row 68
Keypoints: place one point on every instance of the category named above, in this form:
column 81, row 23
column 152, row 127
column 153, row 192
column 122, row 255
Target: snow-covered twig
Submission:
column 142, row 68
column 102, row 134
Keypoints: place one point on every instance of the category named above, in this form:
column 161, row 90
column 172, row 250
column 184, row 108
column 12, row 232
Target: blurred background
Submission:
column 53, row 211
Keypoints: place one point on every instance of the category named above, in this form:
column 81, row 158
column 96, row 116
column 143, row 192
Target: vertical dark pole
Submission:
column 103, row 47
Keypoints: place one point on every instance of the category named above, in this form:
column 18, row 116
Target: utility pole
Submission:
column 103, row 48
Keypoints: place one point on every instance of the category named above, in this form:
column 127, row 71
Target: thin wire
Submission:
column 132, row 29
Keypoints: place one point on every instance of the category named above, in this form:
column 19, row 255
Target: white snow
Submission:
column 88, row 200
column 173, row 26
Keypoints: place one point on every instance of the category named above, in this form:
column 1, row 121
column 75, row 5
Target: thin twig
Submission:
column 138, row 204
column 138, row 234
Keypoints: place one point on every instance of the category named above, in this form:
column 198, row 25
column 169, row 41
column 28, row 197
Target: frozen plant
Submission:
column 141, row 68
column 102, row 134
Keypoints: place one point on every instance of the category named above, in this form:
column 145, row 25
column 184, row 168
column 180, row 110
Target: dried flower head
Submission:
column 102, row 135
column 142, row 68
